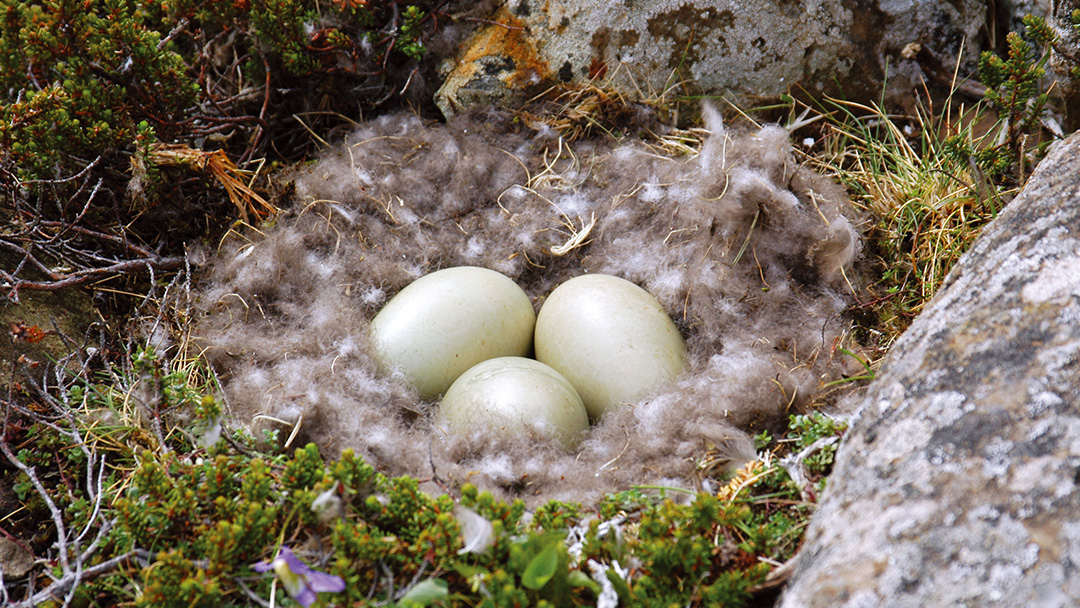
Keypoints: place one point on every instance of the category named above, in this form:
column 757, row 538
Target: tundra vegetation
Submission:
column 129, row 130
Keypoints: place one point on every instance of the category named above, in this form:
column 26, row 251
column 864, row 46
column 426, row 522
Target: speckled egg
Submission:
column 443, row 323
column 610, row 338
column 512, row 395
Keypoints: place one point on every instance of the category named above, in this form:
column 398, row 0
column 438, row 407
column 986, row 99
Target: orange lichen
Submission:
column 506, row 38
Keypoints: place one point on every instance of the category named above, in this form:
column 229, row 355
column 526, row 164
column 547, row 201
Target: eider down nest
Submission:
column 750, row 254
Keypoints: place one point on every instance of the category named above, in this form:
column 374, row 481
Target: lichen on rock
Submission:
column 744, row 51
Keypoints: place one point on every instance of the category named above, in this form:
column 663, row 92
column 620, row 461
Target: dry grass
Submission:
column 221, row 168
column 584, row 110
column 926, row 209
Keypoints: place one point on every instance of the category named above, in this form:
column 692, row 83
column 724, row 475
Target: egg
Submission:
column 514, row 395
column 443, row 323
column 610, row 338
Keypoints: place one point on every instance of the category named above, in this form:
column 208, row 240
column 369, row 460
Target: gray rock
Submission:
column 15, row 563
column 1014, row 11
column 958, row 482
column 744, row 49
column 1065, row 58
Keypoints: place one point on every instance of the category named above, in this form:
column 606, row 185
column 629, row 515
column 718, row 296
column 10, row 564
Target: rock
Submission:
column 1011, row 14
column 745, row 50
column 44, row 327
column 14, row 561
column 1014, row 11
column 1066, row 58
column 957, row 484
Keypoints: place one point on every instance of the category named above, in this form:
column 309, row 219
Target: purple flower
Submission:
column 301, row 582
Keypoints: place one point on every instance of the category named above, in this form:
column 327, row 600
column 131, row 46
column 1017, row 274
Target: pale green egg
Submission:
column 443, row 323
column 610, row 338
column 513, row 395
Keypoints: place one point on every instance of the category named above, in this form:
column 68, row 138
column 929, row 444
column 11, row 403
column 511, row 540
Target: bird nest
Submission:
column 753, row 257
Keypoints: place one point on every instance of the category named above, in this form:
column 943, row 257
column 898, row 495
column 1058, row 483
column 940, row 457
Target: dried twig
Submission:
column 72, row 552
column 13, row 284
column 57, row 253
column 66, row 585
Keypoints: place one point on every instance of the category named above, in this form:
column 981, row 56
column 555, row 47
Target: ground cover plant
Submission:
column 115, row 113
column 934, row 178
column 139, row 512
column 121, row 483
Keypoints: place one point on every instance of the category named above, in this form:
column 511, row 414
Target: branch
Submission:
column 61, row 586
column 123, row 241
column 13, row 284
column 54, row 511
column 72, row 556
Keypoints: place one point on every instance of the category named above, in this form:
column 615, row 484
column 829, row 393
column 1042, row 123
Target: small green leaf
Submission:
column 542, row 568
column 467, row 570
column 621, row 588
column 578, row 578
column 425, row 593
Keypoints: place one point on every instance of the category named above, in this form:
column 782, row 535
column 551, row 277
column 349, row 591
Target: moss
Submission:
column 177, row 582
column 79, row 75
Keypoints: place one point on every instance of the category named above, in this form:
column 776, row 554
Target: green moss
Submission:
column 685, row 559
column 556, row 515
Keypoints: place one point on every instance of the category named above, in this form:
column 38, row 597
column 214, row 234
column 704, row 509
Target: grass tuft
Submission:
column 926, row 207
